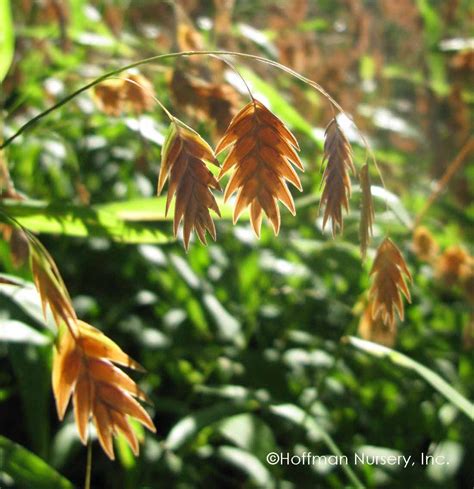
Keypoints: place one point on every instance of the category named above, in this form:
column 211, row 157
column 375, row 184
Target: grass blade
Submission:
column 452, row 395
column 27, row 469
column 7, row 38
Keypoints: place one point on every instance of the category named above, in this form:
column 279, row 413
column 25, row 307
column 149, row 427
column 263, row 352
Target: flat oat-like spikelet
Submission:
column 388, row 283
column 337, row 183
column 263, row 152
column 367, row 210
column 83, row 368
column 50, row 285
column 138, row 93
column 108, row 97
column 206, row 101
column 183, row 160
column 424, row 244
column 375, row 329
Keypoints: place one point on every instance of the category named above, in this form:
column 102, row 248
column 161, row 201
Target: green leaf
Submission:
column 452, row 395
column 249, row 464
column 433, row 25
column 12, row 331
column 188, row 427
column 153, row 209
column 124, row 222
column 81, row 221
column 32, row 370
column 7, row 38
column 394, row 203
column 314, row 432
column 27, row 469
column 250, row 433
column 26, row 297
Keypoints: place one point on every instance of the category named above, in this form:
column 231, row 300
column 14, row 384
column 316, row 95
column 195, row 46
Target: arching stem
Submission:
column 162, row 57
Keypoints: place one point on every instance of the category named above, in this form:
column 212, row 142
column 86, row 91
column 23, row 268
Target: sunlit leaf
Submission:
column 27, row 469
column 18, row 332
column 248, row 463
column 7, row 40
column 189, row 426
column 451, row 394
column 31, row 363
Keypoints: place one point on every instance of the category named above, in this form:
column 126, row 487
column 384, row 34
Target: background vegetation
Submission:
column 242, row 339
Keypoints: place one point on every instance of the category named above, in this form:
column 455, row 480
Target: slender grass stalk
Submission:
column 345, row 467
column 162, row 57
column 160, row 104
column 87, row 483
column 328, row 440
column 453, row 167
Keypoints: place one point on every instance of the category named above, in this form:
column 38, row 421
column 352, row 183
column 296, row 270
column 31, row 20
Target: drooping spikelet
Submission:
column 19, row 246
column 451, row 264
column 108, row 97
column 83, row 363
column 375, row 329
column 336, row 180
column 133, row 92
column 424, row 245
column 262, row 153
column 388, row 283
column 204, row 100
column 83, row 368
column 183, row 160
column 138, row 93
column 50, row 285
column 367, row 214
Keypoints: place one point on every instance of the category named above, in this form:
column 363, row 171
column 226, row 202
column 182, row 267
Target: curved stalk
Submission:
column 162, row 57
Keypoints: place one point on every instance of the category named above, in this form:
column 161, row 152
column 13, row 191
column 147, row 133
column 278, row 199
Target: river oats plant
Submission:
column 250, row 160
column 261, row 155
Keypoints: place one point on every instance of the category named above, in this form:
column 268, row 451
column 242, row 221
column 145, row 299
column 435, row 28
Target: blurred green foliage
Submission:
column 242, row 339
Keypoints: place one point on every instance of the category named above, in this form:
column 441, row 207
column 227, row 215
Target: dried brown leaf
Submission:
column 367, row 211
column 337, row 183
column 388, row 283
column 183, row 160
column 99, row 389
column 262, row 154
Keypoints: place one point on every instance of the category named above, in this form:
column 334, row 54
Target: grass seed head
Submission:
column 84, row 369
column 262, row 154
column 389, row 272
column 376, row 329
column 336, row 179
column 108, row 97
column 424, row 245
column 138, row 93
column 183, row 163
column 367, row 211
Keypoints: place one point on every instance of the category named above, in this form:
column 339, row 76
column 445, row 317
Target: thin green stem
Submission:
column 330, row 443
column 163, row 57
column 87, row 483
column 160, row 104
column 237, row 72
column 345, row 467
